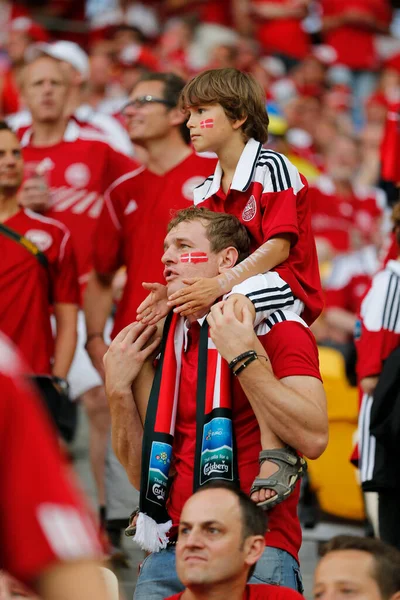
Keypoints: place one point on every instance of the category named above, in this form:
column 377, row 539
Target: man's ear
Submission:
column 227, row 259
column 254, row 546
column 177, row 116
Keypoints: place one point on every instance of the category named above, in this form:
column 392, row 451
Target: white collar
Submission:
column 244, row 170
column 71, row 133
column 394, row 265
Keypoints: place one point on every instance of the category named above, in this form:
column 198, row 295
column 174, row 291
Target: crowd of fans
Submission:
column 330, row 70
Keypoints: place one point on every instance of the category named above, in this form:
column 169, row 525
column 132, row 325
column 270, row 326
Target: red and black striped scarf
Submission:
column 215, row 456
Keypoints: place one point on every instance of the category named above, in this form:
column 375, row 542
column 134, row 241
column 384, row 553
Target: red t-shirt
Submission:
column 292, row 350
column 333, row 217
column 284, row 35
column 355, row 43
column 269, row 196
column 81, row 168
column 37, row 489
column 28, row 288
column 133, row 224
column 261, row 592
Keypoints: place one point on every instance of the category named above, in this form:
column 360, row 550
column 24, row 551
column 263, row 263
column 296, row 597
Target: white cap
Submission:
column 63, row 50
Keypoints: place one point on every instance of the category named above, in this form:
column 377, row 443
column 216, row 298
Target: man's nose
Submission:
column 194, row 539
column 169, row 256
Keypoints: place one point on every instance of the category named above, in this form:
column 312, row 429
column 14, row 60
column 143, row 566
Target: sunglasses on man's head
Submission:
column 143, row 100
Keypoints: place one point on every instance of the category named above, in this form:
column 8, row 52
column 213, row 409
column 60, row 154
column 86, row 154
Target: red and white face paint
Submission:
column 194, row 257
column 207, row 124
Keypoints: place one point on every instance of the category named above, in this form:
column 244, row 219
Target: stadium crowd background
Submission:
column 331, row 72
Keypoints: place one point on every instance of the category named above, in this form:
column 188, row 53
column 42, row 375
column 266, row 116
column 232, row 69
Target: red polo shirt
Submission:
column 261, row 592
column 28, row 288
column 269, row 196
column 292, row 350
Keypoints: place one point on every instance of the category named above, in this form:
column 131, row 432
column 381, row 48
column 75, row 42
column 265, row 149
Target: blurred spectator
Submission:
column 142, row 201
column 36, row 483
column 350, row 27
column 370, row 148
column 37, row 275
column 80, row 166
column 125, row 13
column 367, row 567
column 75, row 65
column 8, row 12
column 341, row 210
column 378, row 343
column 279, row 29
column 22, row 33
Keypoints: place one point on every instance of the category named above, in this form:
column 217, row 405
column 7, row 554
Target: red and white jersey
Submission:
column 269, row 196
column 28, row 288
column 80, row 168
column 36, row 485
column 133, row 225
column 350, row 279
column 333, row 217
column 379, row 333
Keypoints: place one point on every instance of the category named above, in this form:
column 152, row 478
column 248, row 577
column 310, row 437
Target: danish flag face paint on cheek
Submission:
column 207, row 124
column 194, row 257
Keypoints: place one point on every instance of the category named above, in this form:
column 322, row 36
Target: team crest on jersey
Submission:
column 40, row 238
column 249, row 211
column 189, row 185
column 77, row 175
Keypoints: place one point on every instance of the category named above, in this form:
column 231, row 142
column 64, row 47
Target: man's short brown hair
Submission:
column 239, row 94
column 222, row 230
column 386, row 570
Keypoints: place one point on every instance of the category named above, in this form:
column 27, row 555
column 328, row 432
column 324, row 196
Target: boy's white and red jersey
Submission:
column 269, row 196
column 28, row 288
column 133, row 224
column 79, row 169
column 379, row 334
column 36, row 485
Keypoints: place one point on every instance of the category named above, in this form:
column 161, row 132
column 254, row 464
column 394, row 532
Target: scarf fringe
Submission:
column 150, row 535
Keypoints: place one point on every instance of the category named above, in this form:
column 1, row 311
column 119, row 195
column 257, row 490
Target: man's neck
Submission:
column 8, row 205
column 165, row 154
column 343, row 188
column 229, row 157
column 48, row 134
column 75, row 99
column 234, row 590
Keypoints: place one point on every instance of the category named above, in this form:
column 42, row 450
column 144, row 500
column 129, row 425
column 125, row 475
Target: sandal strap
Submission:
column 286, row 455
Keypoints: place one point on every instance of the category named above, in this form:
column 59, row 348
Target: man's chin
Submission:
column 174, row 286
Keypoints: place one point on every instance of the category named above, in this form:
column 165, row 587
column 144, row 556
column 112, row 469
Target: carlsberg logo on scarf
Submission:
column 215, row 444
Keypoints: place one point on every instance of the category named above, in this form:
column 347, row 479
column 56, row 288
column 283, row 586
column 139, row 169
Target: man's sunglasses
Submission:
column 143, row 100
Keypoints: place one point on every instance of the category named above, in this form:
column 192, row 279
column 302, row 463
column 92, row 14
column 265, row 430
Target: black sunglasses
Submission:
column 143, row 100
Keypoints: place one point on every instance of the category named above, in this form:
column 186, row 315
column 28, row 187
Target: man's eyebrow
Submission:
column 177, row 240
column 203, row 523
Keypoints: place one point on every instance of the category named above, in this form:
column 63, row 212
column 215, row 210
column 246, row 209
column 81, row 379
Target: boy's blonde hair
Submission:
column 239, row 94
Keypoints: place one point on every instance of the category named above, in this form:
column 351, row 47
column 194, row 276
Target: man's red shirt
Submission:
column 285, row 35
column 261, row 592
column 36, row 486
column 133, row 224
column 29, row 288
column 80, row 169
column 355, row 43
column 292, row 350
column 269, row 196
